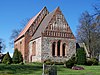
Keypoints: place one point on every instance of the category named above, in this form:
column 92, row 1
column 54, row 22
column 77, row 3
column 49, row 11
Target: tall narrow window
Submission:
column 20, row 45
column 58, row 48
column 53, row 49
column 63, row 49
column 34, row 48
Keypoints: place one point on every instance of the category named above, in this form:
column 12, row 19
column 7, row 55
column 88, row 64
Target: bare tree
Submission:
column 84, row 29
column 15, row 32
column 2, row 45
column 96, row 31
column 89, row 32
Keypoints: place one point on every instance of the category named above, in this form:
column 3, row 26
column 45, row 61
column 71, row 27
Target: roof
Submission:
column 28, row 25
column 44, row 24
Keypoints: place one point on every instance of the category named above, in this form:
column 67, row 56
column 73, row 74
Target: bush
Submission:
column 95, row 61
column 89, row 62
column 69, row 63
column 92, row 61
column 17, row 57
column 73, row 58
column 81, row 56
column 20, row 58
column 7, row 59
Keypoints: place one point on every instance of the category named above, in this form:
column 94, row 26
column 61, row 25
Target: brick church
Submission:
column 46, row 36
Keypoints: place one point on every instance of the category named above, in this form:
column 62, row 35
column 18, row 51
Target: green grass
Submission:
column 36, row 69
column 27, row 69
column 89, row 70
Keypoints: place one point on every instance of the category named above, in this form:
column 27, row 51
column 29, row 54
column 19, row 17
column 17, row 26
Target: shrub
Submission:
column 92, row 61
column 20, row 58
column 17, row 57
column 73, row 58
column 89, row 62
column 69, row 63
column 7, row 59
column 95, row 61
column 81, row 56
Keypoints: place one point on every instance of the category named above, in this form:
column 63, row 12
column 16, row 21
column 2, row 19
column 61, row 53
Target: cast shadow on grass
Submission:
column 19, row 69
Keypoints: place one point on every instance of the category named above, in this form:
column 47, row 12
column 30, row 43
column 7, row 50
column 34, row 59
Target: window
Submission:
column 20, row 42
column 53, row 49
column 20, row 45
column 63, row 49
column 58, row 48
column 34, row 48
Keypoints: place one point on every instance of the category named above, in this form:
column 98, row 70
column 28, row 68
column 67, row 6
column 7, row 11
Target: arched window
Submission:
column 58, row 48
column 63, row 49
column 34, row 48
column 53, row 49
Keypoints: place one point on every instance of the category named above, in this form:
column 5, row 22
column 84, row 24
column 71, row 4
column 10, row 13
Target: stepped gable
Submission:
column 45, row 23
column 22, row 33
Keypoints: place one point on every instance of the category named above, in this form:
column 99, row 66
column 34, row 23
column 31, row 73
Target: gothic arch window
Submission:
column 34, row 48
column 58, row 48
column 53, row 48
column 63, row 49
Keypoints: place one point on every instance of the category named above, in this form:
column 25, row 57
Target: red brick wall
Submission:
column 20, row 45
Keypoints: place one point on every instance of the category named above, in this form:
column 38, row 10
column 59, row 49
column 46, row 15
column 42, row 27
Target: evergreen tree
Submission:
column 17, row 57
column 7, row 59
column 20, row 57
column 81, row 56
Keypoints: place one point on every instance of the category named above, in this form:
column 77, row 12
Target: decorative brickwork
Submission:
column 46, row 36
column 28, row 32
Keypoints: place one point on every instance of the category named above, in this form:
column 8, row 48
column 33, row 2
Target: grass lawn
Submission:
column 36, row 69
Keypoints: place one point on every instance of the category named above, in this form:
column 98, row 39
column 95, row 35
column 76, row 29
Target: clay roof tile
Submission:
column 28, row 25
